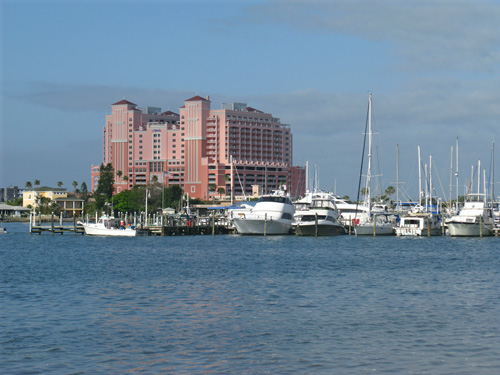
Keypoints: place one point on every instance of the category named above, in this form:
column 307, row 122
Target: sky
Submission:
column 432, row 67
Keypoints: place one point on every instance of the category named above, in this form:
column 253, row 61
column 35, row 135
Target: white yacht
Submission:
column 108, row 226
column 317, row 215
column 272, row 214
column 419, row 223
column 350, row 212
column 474, row 219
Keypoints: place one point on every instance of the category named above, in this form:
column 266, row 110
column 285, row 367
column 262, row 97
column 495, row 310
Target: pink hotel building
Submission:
column 194, row 148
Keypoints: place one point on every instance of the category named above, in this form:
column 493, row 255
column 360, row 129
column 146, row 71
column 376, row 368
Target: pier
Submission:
column 157, row 226
column 53, row 228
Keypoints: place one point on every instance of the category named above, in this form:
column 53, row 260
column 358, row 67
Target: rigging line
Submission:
column 439, row 179
column 241, row 185
column 362, row 159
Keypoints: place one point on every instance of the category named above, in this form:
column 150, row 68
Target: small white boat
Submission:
column 272, row 214
column 318, row 216
column 3, row 230
column 419, row 224
column 108, row 226
column 474, row 219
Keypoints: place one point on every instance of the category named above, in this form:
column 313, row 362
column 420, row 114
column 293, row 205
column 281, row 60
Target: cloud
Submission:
column 93, row 98
column 457, row 35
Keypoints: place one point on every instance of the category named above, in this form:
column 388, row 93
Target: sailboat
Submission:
column 371, row 224
column 421, row 221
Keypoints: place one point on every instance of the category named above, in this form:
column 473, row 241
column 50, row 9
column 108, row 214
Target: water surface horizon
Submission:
column 255, row 305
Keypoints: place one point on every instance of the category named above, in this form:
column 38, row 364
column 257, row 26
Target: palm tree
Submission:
column 119, row 173
column 75, row 184
column 59, row 184
column 221, row 191
column 28, row 185
column 37, row 183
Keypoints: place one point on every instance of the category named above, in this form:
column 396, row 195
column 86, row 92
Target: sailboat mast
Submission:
column 419, row 178
column 369, row 174
column 232, row 179
column 307, row 176
column 430, row 180
column 479, row 176
column 456, row 175
column 397, row 177
column 451, row 177
column 492, row 172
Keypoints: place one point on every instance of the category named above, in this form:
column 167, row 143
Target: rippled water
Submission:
column 248, row 305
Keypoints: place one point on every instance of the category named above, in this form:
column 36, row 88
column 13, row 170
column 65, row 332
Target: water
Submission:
column 248, row 305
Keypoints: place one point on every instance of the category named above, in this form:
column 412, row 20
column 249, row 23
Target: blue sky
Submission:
column 432, row 66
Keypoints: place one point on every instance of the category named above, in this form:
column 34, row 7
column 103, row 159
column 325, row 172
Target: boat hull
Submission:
column 323, row 230
column 368, row 230
column 469, row 230
column 262, row 227
column 417, row 232
column 112, row 232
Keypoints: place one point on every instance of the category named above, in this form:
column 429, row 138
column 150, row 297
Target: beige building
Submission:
column 69, row 205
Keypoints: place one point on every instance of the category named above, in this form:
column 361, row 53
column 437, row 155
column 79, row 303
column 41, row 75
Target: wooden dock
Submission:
column 182, row 230
column 56, row 229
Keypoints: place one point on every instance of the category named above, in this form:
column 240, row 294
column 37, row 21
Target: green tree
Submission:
column 129, row 200
column 173, row 195
column 221, row 191
column 37, row 183
column 105, row 185
column 59, row 184
column 75, row 184
column 45, row 206
column 28, row 185
column 212, row 187
column 84, row 191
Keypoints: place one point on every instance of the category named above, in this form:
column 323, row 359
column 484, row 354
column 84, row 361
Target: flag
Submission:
column 167, row 174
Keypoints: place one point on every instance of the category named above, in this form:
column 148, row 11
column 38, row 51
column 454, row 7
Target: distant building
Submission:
column 70, row 206
column 13, row 211
column 194, row 149
column 9, row 193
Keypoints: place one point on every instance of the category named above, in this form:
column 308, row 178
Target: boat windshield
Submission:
column 285, row 200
